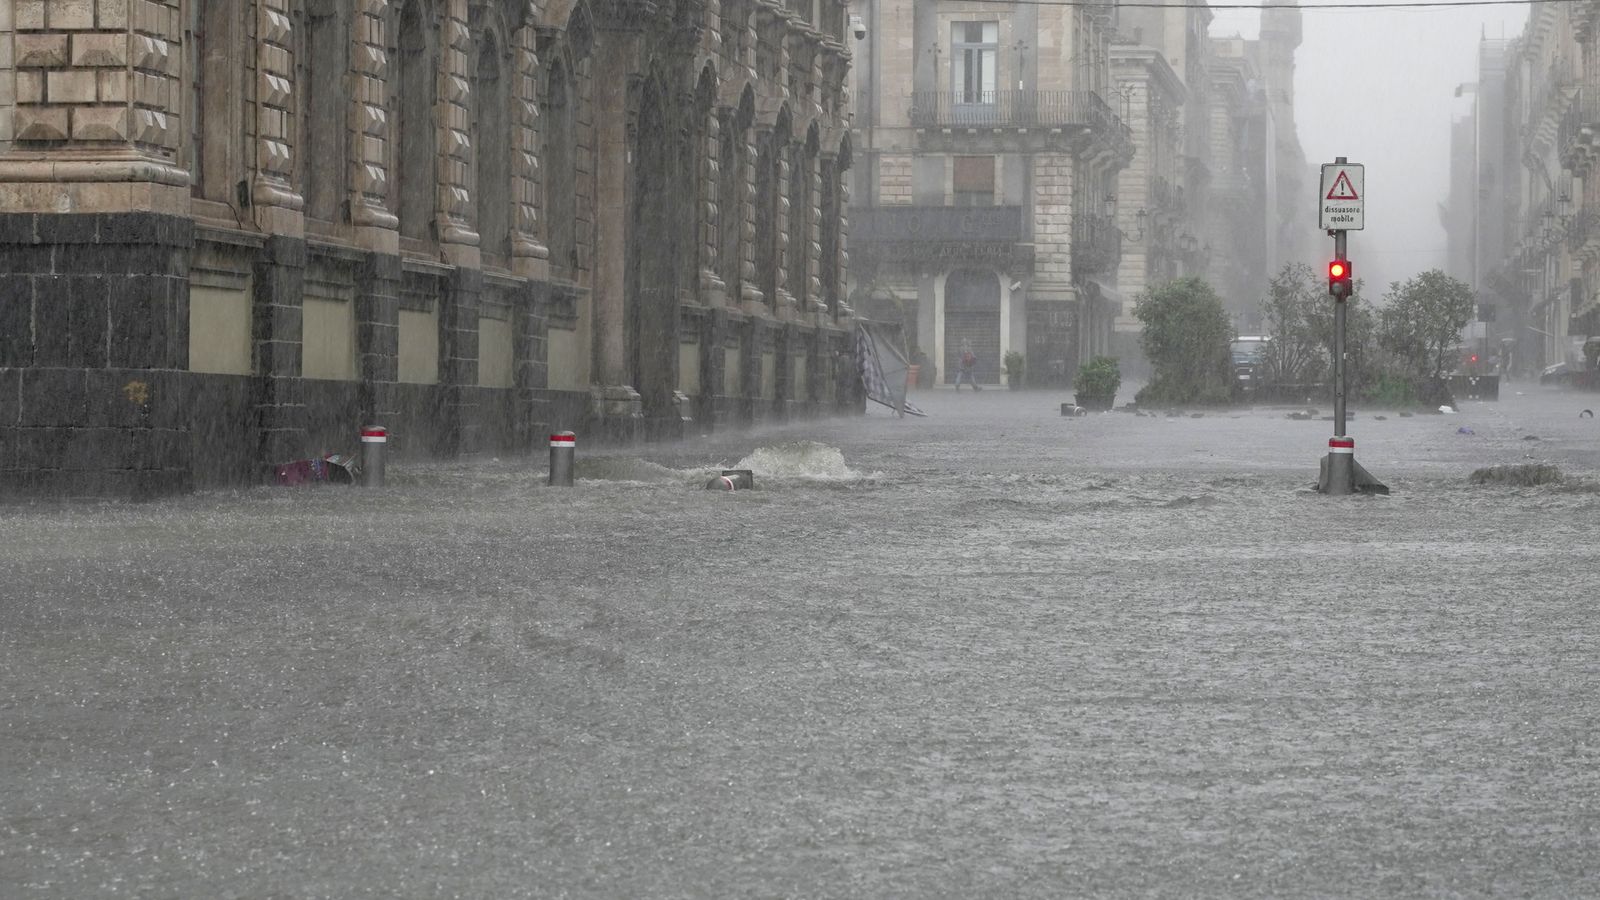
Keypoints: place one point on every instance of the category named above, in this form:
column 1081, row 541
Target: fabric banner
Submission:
column 883, row 368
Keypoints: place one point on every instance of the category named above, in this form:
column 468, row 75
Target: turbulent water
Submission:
column 995, row 652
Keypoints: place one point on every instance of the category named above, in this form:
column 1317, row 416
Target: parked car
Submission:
column 1249, row 359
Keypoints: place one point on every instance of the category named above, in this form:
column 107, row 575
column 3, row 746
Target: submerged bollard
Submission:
column 563, row 447
column 373, row 439
column 732, row 480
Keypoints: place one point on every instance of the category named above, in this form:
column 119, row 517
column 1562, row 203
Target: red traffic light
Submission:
column 1339, row 278
column 1474, row 358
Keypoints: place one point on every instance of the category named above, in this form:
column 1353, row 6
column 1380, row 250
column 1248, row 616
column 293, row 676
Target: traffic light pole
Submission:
column 1340, row 478
column 1341, row 474
column 1339, row 312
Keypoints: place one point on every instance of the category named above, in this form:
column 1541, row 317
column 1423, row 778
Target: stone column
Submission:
column 615, row 52
column 531, row 349
column 811, row 247
column 378, row 339
column 712, row 289
column 750, row 292
column 279, row 279
column 458, row 361
column 458, row 242
column 275, row 202
column 783, row 306
column 369, row 166
column 530, row 257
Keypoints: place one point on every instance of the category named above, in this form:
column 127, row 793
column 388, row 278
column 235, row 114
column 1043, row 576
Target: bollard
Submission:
column 373, row 439
column 1341, row 465
column 563, row 447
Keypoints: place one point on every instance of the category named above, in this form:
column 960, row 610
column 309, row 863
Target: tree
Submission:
column 1295, row 354
column 1300, row 318
column 1421, row 323
column 1187, row 337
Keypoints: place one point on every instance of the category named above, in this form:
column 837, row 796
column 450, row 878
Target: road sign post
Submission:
column 1341, row 209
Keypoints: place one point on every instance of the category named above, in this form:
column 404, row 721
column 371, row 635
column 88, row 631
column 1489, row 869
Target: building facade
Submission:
column 235, row 231
column 988, row 155
column 1161, row 64
column 1533, row 249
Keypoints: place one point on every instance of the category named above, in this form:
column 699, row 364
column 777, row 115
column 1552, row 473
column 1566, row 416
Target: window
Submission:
column 973, row 47
column 974, row 181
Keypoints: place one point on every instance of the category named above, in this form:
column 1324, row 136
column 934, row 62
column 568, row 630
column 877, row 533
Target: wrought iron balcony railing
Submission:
column 936, row 224
column 1010, row 109
column 1096, row 244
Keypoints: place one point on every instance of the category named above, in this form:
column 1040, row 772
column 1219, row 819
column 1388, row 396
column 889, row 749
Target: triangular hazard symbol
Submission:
column 1341, row 189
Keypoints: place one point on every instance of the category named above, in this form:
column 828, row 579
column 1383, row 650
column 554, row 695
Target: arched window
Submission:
column 491, row 143
column 560, row 172
column 324, row 98
column 412, row 175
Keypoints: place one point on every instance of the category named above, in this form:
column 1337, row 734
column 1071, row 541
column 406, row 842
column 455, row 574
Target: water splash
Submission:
column 799, row 460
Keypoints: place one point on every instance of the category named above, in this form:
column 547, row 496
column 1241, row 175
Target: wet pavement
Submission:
column 995, row 652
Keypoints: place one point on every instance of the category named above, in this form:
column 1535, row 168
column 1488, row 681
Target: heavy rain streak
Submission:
column 886, row 448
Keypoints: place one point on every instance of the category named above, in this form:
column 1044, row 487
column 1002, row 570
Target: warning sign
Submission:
column 1342, row 197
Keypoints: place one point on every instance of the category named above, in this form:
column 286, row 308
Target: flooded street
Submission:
column 991, row 653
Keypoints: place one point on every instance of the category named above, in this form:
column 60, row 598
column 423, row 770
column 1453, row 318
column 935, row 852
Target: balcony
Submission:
column 935, row 233
column 1583, row 235
column 1009, row 109
column 1082, row 113
column 1096, row 245
column 1578, row 139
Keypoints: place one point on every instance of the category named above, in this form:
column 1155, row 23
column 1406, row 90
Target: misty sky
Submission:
column 1378, row 86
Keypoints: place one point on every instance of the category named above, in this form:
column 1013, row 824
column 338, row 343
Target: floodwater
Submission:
column 991, row 653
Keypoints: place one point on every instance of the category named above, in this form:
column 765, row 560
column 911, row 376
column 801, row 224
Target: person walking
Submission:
column 968, row 362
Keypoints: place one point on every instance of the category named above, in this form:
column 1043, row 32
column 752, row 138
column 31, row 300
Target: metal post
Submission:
column 373, row 439
column 563, row 447
column 1341, row 456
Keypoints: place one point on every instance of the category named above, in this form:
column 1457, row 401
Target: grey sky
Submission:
column 1378, row 86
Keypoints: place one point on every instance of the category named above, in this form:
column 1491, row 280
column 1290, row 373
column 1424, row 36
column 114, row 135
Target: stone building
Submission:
column 1260, row 203
column 1535, row 243
column 1161, row 63
column 235, row 231
column 989, row 153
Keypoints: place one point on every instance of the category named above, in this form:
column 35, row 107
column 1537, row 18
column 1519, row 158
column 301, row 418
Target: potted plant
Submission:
column 1015, row 366
column 1097, row 383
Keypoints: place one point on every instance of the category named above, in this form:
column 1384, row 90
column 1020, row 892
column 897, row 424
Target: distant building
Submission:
column 1261, row 208
column 1161, row 65
column 234, row 231
column 988, row 147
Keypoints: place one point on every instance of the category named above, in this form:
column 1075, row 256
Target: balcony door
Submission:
column 974, row 49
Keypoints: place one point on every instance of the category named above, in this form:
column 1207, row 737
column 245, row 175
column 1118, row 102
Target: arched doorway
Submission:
column 972, row 318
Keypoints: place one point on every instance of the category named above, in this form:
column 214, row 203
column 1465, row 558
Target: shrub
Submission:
column 1097, row 383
